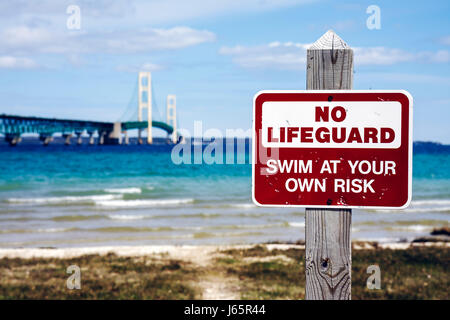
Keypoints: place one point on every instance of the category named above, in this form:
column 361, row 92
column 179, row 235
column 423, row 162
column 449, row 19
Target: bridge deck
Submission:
column 16, row 125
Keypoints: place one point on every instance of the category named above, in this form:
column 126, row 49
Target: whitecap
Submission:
column 430, row 202
column 123, row 190
column 125, row 217
column 244, row 205
column 52, row 230
column 432, row 209
column 415, row 228
column 297, row 224
column 142, row 203
column 66, row 199
column 416, row 209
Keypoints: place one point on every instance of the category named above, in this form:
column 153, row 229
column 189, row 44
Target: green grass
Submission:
column 415, row 273
column 102, row 277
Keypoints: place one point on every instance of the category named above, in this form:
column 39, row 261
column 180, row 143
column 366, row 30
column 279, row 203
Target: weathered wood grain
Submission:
column 327, row 232
column 329, row 64
column 328, row 254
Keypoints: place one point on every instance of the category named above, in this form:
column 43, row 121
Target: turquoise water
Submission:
column 134, row 195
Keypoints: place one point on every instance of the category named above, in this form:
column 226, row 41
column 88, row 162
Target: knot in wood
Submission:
column 325, row 264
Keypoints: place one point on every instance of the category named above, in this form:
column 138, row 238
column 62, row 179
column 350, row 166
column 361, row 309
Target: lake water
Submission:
column 72, row 196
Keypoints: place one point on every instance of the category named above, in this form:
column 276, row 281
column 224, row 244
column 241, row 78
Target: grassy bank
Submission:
column 102, row 277
column 247, row 273
column 415, row 273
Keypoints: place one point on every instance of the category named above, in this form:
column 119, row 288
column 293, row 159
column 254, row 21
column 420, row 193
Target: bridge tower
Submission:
column 145, row 101
column 171, row 113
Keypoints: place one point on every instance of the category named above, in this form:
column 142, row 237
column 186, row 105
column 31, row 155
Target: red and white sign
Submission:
column 332, row 148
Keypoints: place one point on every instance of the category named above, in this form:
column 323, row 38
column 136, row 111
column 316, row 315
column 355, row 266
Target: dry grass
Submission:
column 102, row 277
column 414, row 273
column 252, row 273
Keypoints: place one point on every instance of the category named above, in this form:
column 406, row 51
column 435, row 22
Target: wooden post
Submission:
column 327, row 232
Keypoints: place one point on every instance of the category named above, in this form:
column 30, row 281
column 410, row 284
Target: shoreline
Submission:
column 188, row 251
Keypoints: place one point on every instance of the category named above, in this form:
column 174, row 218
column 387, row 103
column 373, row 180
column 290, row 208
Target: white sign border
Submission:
column 410, row 139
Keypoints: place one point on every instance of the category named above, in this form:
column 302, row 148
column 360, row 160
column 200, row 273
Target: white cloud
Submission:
column 402, row 78
column 9, row 62
column 39, row 40
column 292, row 56
column 381, row 56
column 151, row 67
column 25, row 37
column 30, row 28
column 388, row 56
column 274, row 55
column 146, row 12
column 143, row 67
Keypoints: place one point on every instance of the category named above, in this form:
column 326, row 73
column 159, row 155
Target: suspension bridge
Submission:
column 143, row 99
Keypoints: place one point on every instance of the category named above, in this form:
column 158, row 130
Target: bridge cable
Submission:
column 154, row 103
column 130, row 113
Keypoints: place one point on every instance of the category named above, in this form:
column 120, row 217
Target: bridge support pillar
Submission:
column 91, row 137
column 67, row 137
column 13, row 139
column 127, row 139
column 79, row 138
column 145, row 101
column 140, row 136
column 101, row 137
column 45, row 138
column 115, row 136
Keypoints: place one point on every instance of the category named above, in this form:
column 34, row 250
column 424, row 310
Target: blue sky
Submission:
column 214, row 55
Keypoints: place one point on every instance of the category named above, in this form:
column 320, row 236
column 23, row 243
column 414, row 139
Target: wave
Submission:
column 125, row 217
column 297, row 224
column 204, row 235
column 43, row 230
column 236, row 227
column 430, row 202
column 52, row 230
column 244, row 205
column 130, row 229
column 123, row 190
column 418, row 210
column 77, row 218
column 142, row 203
column 192, row 215
column 404, row 223
column 63, row 200
column 433, row 209
column 415, row 228
column 197, row 229
column 378, row 239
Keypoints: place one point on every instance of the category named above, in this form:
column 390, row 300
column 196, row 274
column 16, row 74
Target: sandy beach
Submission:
column 195, row 254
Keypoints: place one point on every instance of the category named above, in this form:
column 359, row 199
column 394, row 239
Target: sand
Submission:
column 198, row 254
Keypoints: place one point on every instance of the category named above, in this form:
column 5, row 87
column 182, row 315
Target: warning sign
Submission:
column 332, row 148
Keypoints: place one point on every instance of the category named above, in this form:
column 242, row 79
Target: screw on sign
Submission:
column 331, row 149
